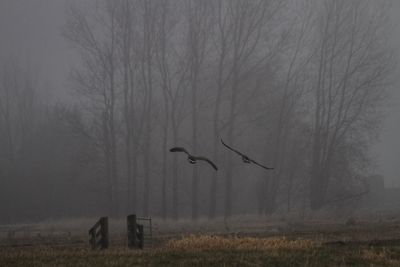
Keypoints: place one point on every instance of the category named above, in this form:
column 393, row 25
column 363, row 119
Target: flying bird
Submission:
column 245, row 158
column 193, row 159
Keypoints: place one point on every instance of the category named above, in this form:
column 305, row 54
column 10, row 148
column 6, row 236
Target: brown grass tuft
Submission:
column 372, row 255
column 207, row 242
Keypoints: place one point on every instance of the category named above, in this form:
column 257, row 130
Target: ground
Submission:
column 246, row 242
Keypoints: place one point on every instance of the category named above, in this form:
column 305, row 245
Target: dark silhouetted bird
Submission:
column 245, row 158
column 193, row 159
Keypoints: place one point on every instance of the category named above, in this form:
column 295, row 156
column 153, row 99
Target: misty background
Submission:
column 34, row 34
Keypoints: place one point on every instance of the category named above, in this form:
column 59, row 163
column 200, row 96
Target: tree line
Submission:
column 296, row 84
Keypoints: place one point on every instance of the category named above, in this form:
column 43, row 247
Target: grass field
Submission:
column 310, row 244
column 210, row 251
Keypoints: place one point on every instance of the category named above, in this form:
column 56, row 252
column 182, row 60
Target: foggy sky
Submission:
column 30, row 30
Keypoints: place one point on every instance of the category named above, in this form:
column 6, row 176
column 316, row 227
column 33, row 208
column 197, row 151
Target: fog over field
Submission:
column 94, row 93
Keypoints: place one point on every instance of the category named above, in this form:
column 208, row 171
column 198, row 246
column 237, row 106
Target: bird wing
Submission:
column 234, row 150
column 262, row 166
column 255, row 162
column 179, row 149
column 209, row 161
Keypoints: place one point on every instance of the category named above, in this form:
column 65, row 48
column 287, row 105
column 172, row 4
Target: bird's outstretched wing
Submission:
column 234, row 150
column 262, row 166
column 253, row 161
column 179, row 149
column 209, row 161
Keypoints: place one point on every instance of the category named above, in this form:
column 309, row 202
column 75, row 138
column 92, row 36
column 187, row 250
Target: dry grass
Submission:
column 207, row 242
column 384, row 256
column 247, row 243
column 373, row 255
column 206, row 250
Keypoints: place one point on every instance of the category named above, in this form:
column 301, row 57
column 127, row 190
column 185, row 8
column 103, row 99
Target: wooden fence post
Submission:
column 104, row 232
column 131, row 226
column 94, row 233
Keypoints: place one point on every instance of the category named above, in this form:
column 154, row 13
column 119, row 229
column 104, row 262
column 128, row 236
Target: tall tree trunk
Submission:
column 147, row 70
column 128, row 103
column 175, row 177
column 164, row 171
column 231, row 140
column 194, row 144
column 114, row 168
column 216, row 123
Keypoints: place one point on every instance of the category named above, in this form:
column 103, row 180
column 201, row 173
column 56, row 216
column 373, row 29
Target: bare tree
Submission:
column 133, row 112
column 351, row 68
column 198, row 31
column 172, row 72
column 290, row 96
column 97, row 79
column 18, row 112
column 162, row 64
column 249, row 22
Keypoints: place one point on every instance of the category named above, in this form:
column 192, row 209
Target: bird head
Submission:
column 191, row 160
column 246, row 159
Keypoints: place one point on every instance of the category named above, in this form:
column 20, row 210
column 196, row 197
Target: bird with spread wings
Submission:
column 245, row 158
column 193, row 159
